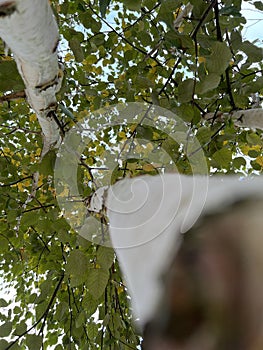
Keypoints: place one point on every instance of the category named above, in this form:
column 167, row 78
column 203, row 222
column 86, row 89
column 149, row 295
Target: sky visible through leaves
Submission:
column 60, row 290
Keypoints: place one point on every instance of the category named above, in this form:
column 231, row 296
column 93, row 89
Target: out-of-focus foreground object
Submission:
column 204, row 288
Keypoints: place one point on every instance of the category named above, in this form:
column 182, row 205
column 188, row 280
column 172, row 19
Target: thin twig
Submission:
column 17, row 181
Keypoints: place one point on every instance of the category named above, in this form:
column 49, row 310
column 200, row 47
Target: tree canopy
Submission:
column 188, row 58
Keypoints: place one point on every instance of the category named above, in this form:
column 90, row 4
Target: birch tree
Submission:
column 187, row 57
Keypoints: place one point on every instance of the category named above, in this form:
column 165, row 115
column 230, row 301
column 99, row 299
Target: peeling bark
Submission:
column 29, row 29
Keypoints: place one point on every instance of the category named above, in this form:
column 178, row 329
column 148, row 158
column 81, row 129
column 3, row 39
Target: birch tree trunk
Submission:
column 29, row 29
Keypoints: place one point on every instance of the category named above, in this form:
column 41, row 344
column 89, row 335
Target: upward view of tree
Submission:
column 187, row 57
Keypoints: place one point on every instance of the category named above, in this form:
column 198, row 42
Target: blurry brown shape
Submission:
column 12, row 96
column 213, row 297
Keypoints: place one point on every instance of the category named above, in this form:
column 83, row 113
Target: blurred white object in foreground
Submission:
column 147, row 216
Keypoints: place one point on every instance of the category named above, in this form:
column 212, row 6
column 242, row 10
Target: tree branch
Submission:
column 12, row 96
column 17, row 181
column 43, row 317
column 203, row 17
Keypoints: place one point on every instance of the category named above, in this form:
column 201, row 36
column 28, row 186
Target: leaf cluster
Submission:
column 68, row 292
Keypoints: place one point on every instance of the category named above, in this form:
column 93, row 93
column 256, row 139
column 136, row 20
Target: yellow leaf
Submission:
column 132, row 166
column 27, row 183
column 98, row 70
column 246, row 148
column 259, row 160
column 91, row 59
column 149, row 147
column 127, row 33
column 120, row 290
column 122, row 77
column 6, row 150
column 139, row 149
column 64, row 193
column 68, row 57
column 148, row 167
column 201, row 59
column 32, row 117
column 122, row 134
column 20, row 187
column 170, row 63
column 133, row 127
column 105, row 93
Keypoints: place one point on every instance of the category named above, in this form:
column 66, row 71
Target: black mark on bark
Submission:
column 7, row 9
column 55, row 47
column 47, row 85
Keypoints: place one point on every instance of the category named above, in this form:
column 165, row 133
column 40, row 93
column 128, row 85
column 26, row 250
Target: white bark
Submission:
column 147, row 216
column 185, row 12
column 29, row 29
column 248, row 118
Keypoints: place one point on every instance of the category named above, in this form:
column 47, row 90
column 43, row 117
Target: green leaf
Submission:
column 3, row 303
column 3, row 344
column 186, row 112
column 77, row 49
column 230, row 10
column 9, row 77
column 59, row 347
column 29, row 219
column 239, row 162
column 236, row 39
column 185, row 92
column 92, row 329
column 255, row 53
column 134, row 5
column 219, row 59
column 81, row 319
column 253, row 139
column 168, row 7
column 143, row 83
column 223, row 157
column 89, row 304
column 255, row 165
column 47, row 164
column 20, row 328
column 103, row 6
column 5, row 329
column 258, row 5
column 12, row 215
column 178, row 40
column 61, row 311
column 210, row 82
column 253, row 153
column 34, row 342
column 105, row 256
column 77, row 267
column 203, row 134
column 97, row 281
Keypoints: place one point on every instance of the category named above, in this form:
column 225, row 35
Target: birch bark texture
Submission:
column 29, row 29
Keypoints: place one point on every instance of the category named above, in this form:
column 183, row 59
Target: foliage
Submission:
column 69, row 291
